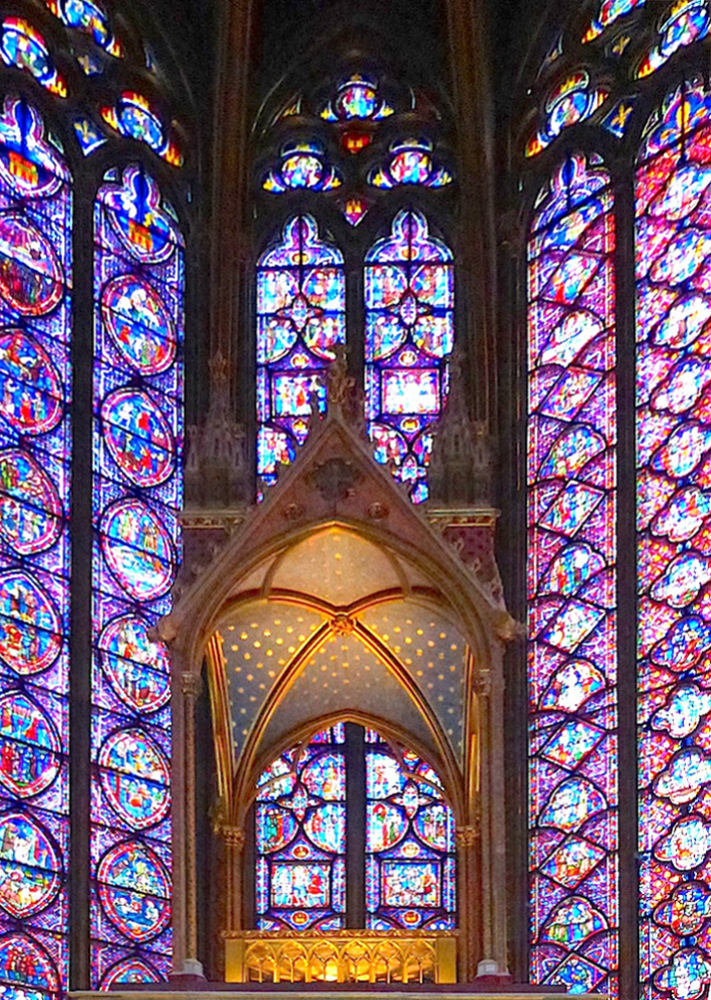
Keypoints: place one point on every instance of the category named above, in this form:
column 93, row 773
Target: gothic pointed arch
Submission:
column 334, row 597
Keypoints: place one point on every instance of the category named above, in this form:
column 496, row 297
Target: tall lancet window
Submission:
column 572, row 555
column 85, row 739
column 35, row 476
column 674, row 552
column 301, row 303
column 621, row 531
column 409, row 335
column 137, row 499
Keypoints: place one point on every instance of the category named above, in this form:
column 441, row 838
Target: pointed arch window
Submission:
column 300, row 319
column 623, row 704
column 409, row 335
column 347, row 798
column 36, row 279
column 401, row 328
column 572, row 510
column 77, row 467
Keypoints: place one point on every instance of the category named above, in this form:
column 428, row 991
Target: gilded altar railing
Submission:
column 341, row 957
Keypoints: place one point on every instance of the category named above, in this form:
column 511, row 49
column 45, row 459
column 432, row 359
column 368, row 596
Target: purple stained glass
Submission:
column 300, row 319
column 410, row 850
column 300, row 828
column 35, row 462
column 137, row 495
column 673, row 476
column 572, row 510
column 409, row 301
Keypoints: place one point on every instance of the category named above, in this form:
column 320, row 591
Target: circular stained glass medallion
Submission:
column 139, row 323
column 23, row 964
column 134, row 890
column 138, row 437
column 29, row 624
column 29, row 746
column 138, row 668
column 30, row 274
column 30, row 509
column 30, row 387
column 29, row 866
column 138, row 549
column 135, row 778
column 386, row 825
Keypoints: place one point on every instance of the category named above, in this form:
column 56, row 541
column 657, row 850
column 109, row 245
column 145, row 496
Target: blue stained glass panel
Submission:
column 410, row 849
column 35, row 458
column 409, row 301
column 137, row 495
column 300, row 320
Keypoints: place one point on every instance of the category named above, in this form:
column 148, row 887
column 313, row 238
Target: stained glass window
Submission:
column 134, row 117
column 573, row 100
column 410, row 851
column 357, row 99
column 300, row 318
column 609, row 12
column 35, row 463
column 301, row 837
column 303, row 851
column 302, row 166
column 572, row 581
column 409, row 335
column 687, row 21
column 137, row 495
column 410, row 162
column 673, row 235
column 88, row 17
column 25, row 48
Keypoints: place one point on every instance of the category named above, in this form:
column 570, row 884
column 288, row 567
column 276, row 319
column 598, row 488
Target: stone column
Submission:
column 468, row 841
column 190, row 689
column 234, row 840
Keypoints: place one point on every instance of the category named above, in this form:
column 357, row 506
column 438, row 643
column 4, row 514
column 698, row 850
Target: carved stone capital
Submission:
column 233, row 836
column 191, row 684
column 467, row 836
column 482, row 683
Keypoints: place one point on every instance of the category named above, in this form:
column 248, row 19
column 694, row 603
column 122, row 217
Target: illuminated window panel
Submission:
column 35, row 462
column 409, row 301
column 134, row 117
column 410, row 163
column 300, row 319
column 302, row 815
column 88, row 17
column 302, row 166
column 572, row 511
column 410, row 850
column 25, row 48
column 357, row 99
column 137, row 495
column 300, row 824
column 572, row 101
column 687, row 21
column 609, row 12
column 673, row 241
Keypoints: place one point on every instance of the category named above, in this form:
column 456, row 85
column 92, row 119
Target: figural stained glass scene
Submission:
column 136, row 498
column 302, row 819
